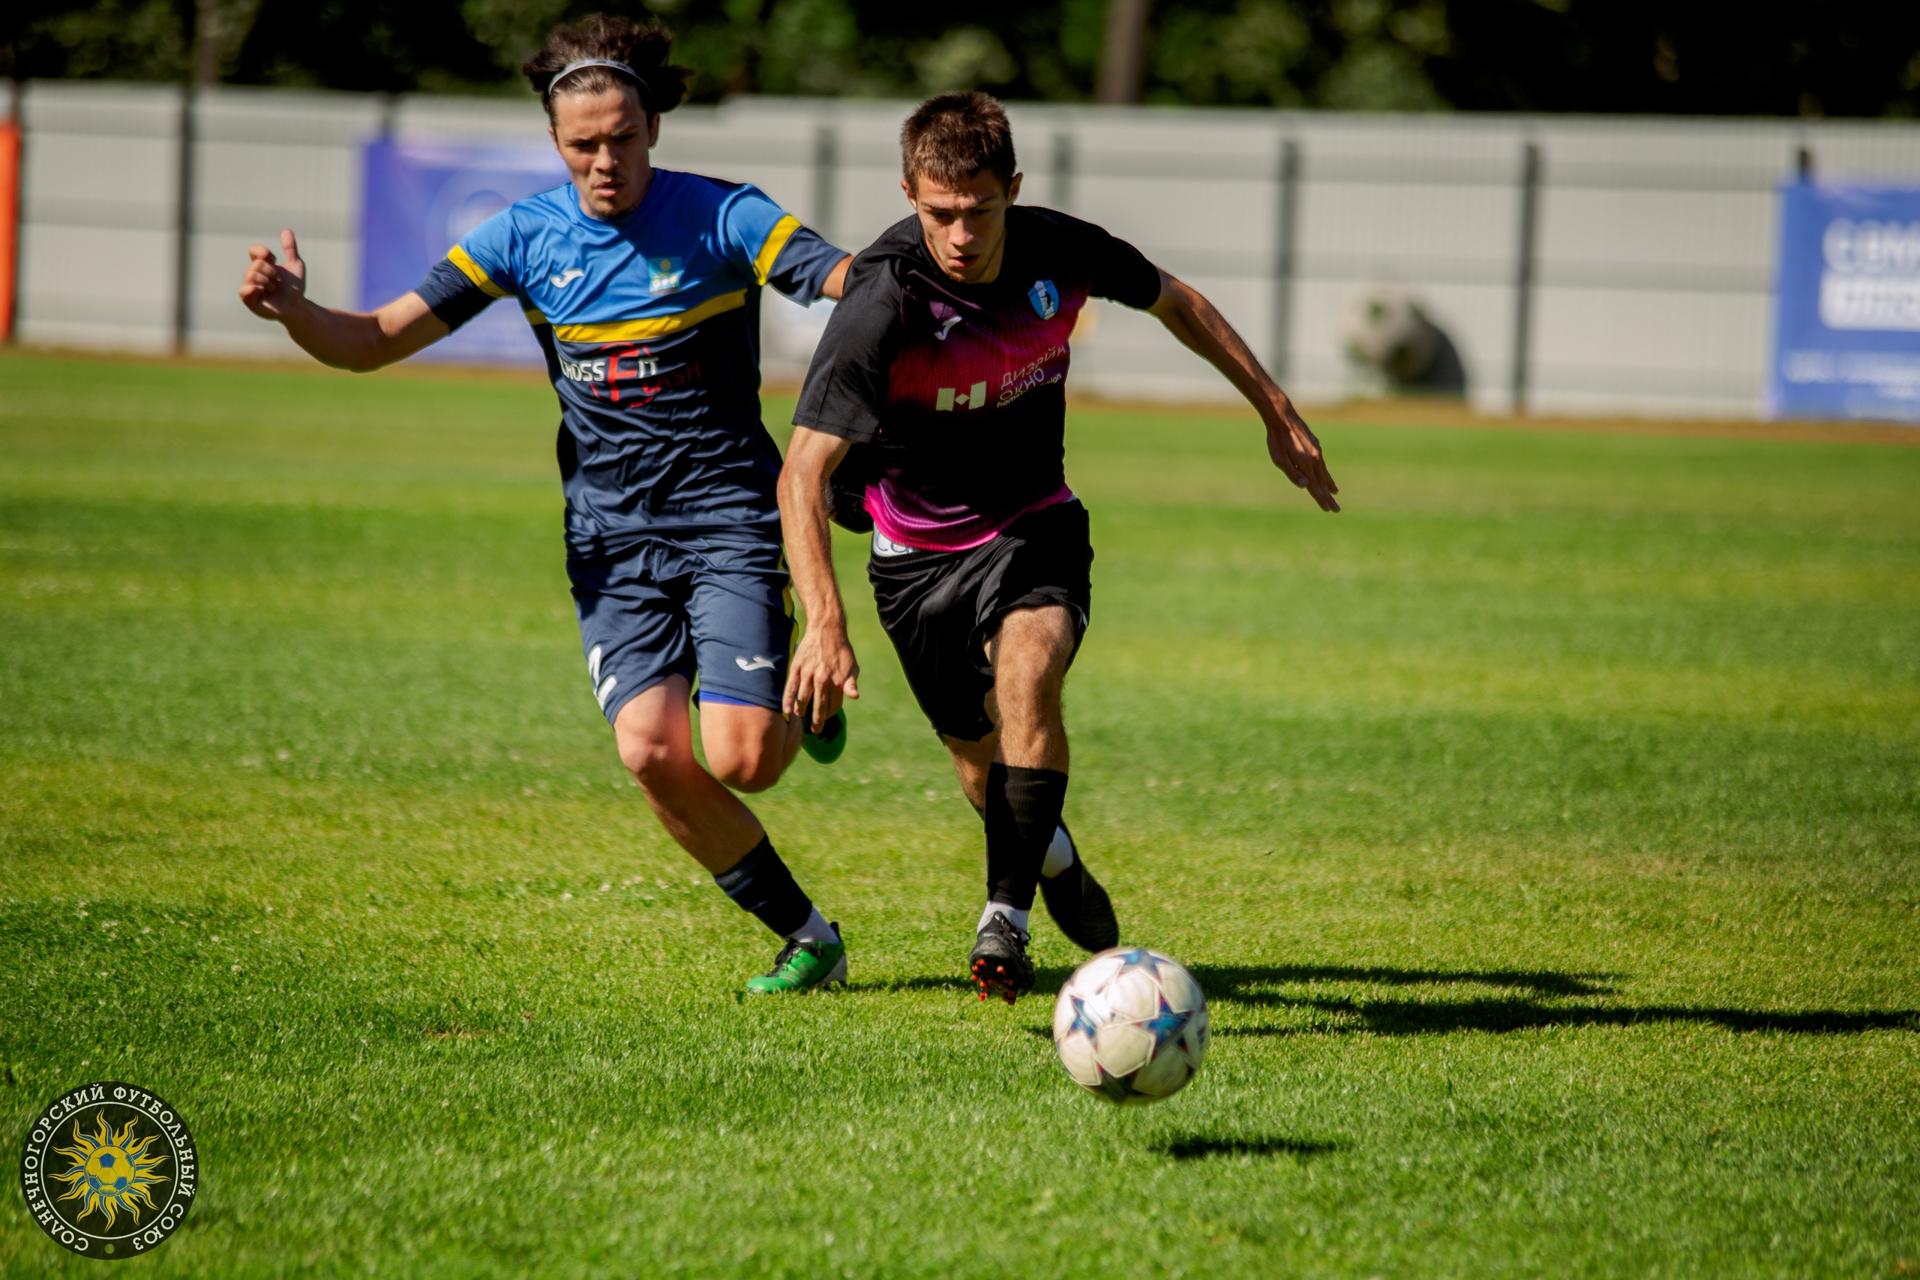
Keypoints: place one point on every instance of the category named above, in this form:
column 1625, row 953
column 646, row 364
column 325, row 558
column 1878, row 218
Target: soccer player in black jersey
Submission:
column 942, row 374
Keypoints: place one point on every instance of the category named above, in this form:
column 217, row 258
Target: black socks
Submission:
column 1023, row 809
column 760, row 883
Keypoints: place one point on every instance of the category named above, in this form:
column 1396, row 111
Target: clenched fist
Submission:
column 272, row 286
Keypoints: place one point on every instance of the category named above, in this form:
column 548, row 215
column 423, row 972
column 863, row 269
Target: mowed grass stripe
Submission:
column 1543, row 829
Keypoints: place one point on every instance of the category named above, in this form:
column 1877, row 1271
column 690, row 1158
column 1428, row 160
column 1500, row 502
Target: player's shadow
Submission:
column 1046, row 982
column 1533, row 1002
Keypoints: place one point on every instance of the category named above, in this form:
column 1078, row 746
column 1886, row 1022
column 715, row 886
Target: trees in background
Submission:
column 1843, row 57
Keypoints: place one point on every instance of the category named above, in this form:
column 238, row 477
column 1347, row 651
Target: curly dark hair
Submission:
column 641, row 46
column 952, row 136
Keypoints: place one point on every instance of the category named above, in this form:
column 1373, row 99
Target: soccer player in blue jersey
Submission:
column 945, row 366
column 643, row 288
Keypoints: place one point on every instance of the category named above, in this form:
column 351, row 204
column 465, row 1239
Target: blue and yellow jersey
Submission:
column 650, row 324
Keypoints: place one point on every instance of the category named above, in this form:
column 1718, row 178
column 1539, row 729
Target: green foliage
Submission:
column 1851, row 57
column 1541, row 829
column 512, row 29
column 1253, row 54
column 1379, row 77
column 965, row 58
column 811, row 48
column 108, row 39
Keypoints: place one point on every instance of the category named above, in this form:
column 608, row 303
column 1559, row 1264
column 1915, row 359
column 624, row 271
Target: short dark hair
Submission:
column 952, row 136
column 640, row 47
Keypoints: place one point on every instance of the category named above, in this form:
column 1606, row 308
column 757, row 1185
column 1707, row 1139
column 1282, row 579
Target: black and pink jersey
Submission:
column 961, row 389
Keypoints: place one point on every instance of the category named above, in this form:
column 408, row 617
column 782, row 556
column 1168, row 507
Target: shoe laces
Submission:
column 785, row 957
column 999, row 923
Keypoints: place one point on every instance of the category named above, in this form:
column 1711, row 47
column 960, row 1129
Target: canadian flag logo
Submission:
column 974, row 397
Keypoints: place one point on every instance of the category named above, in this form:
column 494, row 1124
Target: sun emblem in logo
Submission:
column 664, row 275
column 111, row 1172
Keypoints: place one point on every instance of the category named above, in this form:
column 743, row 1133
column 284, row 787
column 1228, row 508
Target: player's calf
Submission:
column 1076, row 901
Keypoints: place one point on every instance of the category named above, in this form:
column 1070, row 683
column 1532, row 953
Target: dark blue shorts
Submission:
column 715, row 610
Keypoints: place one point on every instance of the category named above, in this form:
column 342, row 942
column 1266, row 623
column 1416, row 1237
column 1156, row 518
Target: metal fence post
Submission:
column 183, row 221
column 1524, row 272
column 1286, row 217
column 826, row 159
column 1062, row 163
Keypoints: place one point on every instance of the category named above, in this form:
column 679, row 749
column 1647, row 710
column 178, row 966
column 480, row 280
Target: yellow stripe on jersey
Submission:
column 651, row 326
column 473, row 271
column 776, row 241
column 533, row 317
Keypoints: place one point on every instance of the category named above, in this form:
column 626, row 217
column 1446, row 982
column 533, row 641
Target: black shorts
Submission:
column 941, row 607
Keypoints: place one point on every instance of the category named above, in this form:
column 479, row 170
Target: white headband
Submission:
column 584, row 63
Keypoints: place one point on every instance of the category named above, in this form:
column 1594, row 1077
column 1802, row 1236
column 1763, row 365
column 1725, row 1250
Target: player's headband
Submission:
column 608, row 63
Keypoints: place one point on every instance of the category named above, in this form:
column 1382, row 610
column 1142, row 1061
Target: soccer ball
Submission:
column 1131, row 1026
column 1385, row 330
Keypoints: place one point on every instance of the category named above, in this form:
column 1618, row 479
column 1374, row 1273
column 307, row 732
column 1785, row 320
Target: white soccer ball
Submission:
column 1385, row 330
column 1131, row 1026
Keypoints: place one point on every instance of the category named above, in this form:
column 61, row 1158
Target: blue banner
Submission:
column 1847, row 328
column 417, row 200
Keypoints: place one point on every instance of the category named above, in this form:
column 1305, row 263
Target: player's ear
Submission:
column 907, row 187
column 653, row 130
column 1013, row 188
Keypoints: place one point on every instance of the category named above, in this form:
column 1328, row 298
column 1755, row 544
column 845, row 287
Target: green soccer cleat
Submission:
column 826, row 746
column 803, row 966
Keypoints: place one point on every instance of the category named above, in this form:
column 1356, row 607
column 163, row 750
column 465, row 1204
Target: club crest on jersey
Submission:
column 1045, row 297
column 974, row 397
column 663, row 274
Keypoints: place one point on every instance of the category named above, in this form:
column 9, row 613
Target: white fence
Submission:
column 1579, row 264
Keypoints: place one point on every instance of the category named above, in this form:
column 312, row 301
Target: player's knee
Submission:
column 1028, row 694
column 656, row 763
column 750, row 765
column 1029, row 679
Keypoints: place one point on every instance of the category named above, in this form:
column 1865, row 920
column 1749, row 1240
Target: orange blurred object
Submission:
column 9, row 221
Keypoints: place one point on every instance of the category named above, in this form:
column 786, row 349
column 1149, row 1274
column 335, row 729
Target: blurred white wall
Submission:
column 1653, row 239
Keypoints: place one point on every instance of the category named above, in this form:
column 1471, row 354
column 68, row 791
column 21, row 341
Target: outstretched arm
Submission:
column 276, row 289
column 1293, row 448
column 836, row 281
column 823, row 670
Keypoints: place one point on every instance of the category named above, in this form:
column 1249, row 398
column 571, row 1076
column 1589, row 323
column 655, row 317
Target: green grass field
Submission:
column 1544, row 830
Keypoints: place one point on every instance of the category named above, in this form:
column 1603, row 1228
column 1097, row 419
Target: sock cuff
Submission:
column 749, row 865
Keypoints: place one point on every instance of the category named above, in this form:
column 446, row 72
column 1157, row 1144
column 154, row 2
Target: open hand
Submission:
column 822, row 674
column 272, row 286
column 1296, row 451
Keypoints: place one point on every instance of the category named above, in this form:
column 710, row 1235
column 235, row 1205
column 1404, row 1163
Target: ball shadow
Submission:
column 1199, row 1147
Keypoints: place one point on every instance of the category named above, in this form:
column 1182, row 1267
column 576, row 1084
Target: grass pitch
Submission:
column 1543, row 829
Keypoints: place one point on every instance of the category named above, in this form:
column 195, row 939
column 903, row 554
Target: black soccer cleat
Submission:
column 999, row 964
column 1081, row 907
